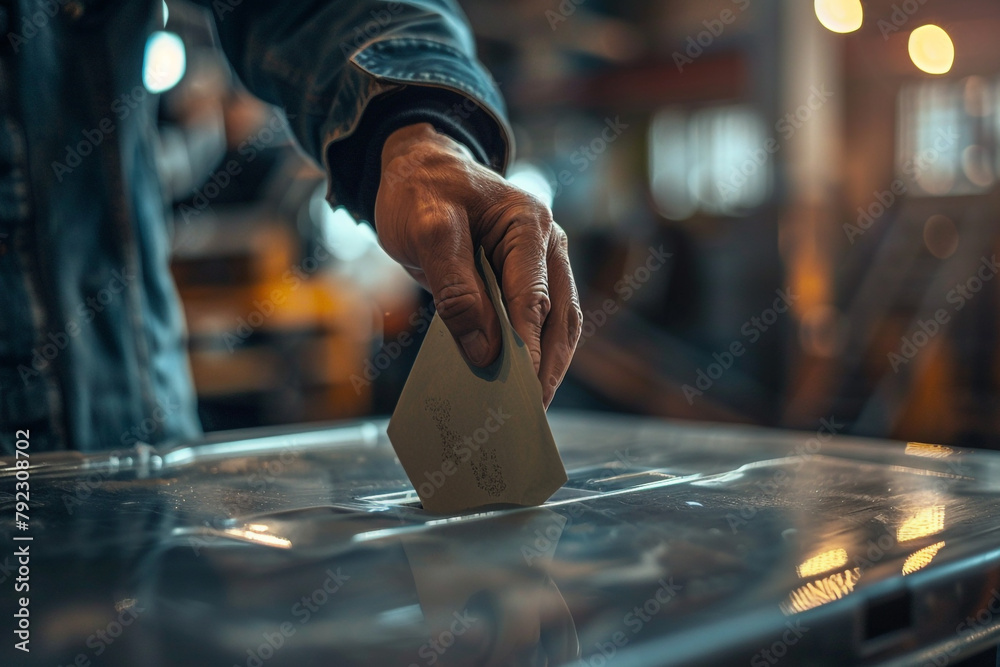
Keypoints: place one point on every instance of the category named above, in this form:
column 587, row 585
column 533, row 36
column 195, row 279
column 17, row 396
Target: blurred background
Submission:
column 779, row 212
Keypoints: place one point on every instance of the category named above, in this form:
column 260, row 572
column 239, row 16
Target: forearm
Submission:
column 343, row 69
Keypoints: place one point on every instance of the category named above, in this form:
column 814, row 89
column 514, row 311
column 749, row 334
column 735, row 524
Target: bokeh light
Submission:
column 165, row 62
column 931, row 49
column 840, row 15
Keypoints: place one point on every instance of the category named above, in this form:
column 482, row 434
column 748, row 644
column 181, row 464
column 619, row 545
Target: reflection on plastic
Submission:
column 824, row 562
column 928, row 451
column 475, row 617
column 921, row 559
column 928, row 521
column 821, row 591
column 262, row 538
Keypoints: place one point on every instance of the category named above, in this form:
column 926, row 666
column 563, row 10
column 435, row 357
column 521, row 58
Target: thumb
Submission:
column 460, row 297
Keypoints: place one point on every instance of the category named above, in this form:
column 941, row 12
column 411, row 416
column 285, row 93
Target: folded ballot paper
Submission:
column 469, row 437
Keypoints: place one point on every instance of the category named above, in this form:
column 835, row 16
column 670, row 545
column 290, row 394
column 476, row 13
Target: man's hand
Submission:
column 436, row 205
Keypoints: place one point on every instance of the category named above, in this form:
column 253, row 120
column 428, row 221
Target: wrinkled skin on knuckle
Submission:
column 507, row 210
column 560, row 242
column 528, row 226
column 530, row 201
column 517, row 240
column 531, row 214
column 456, row 299
column 535, row 299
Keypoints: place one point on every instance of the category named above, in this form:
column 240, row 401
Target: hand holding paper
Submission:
column 436, row 204
column 470, row 437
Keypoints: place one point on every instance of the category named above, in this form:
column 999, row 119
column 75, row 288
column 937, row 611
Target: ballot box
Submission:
column 671, row 544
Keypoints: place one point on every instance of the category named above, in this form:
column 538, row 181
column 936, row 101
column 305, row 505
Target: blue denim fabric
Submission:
column 92, row 339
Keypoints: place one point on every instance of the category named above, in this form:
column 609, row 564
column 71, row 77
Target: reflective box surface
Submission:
column 671, row 544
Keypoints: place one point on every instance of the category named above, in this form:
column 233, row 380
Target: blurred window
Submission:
column 714, row 160
column 532, row 179
column 947, row 136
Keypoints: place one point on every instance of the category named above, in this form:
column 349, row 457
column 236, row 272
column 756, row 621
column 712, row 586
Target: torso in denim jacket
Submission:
column 92, row 351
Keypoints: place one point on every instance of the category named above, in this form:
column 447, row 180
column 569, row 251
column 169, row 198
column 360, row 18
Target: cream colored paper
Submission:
column 470, row 437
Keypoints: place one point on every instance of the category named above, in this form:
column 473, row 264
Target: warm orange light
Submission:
column 927, row 450
column 824, row 562
column 262, row 538
column 921, row 558
column 928, row 521
column 839, row 15
column 931, row 49
column 819, row 592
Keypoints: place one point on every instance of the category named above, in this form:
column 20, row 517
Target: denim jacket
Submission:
column 92, row 338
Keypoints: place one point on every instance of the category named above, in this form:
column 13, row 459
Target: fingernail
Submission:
column 475, row 346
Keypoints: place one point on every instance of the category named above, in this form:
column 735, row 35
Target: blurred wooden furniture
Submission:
column 275, row 337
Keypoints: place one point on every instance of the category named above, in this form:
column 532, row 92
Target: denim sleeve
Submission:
column 348, row 72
